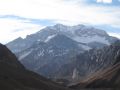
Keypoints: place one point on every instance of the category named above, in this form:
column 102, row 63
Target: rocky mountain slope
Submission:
column 13, row 75
column 107, row 78
column 87, row 63
column 47, row 57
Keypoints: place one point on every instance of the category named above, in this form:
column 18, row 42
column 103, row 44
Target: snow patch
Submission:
column 25, row 54
column 50, row 51
column 75, row 74
column 41, row 53
column 39, row 40
column 88, row 39
column 50, row 37
column 85, row 47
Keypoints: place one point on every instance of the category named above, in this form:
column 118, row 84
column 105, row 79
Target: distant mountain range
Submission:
column 65, row 52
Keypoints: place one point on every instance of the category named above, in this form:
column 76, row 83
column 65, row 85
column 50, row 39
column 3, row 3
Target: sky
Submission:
column 19, row 18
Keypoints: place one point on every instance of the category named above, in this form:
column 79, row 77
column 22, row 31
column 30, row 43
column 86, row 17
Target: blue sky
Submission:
column 23, row 17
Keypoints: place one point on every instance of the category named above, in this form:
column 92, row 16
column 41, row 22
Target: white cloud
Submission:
column 99, row 1
column 104, row 1
column 11, row 29
column 115, row 34
column 61, row 11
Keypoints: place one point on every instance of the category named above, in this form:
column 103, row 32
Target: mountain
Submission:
column 107, row 78
column 69, row 54
column 51, row 49
column 14, row 76
column 47, row 57
column 89, row 62
column 78, row 33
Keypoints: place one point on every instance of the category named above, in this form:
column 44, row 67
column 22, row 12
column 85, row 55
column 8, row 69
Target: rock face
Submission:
column 47, row 57
column 89, row 62
column 13, row 75
column 108, row 77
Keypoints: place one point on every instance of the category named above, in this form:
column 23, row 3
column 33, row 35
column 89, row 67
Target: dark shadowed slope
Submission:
column 13, row 76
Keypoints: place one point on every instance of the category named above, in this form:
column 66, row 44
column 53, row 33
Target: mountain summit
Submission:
column 79, row 33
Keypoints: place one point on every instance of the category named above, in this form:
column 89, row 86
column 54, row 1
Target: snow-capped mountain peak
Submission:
column 79, row 33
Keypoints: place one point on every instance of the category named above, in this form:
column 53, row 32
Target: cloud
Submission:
column 104, row 1
column 11, row 29
column 28, row 20
column 59, row 10
column 114, row 34
column 33, row 13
